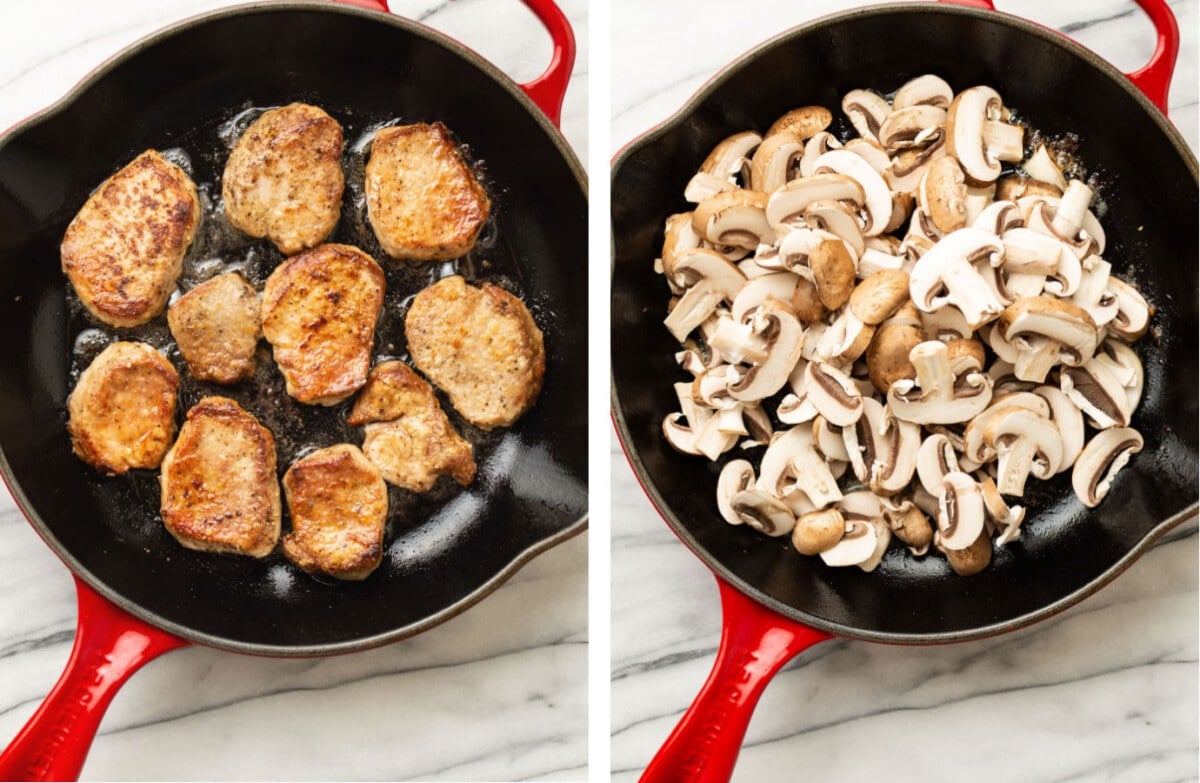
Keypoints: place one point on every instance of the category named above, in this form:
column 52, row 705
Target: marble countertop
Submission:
column 1103, row 692
column 497, row 693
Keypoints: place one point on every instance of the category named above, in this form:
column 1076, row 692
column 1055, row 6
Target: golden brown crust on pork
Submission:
column 217, row 326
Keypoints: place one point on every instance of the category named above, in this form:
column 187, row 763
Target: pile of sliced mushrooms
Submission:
column 924, row 306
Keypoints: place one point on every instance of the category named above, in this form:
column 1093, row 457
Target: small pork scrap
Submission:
column 319, row 313
column 423, row 199
column 283, row 180
column 338, row 504
column 122, row 411
column 217, row 326
column 480, row 346
column 124, row 250
column 219, row 488
column 408, row 436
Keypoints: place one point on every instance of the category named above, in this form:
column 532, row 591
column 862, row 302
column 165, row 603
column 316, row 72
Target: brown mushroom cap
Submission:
column 833, row 271
column 818, row 531
column 973, row 559
column 807, row 302
column 887, row 354
column 877, row 297
column 942, row 194
column 804, row 122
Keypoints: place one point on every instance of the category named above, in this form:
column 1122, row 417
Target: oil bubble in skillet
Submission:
column 130, row 503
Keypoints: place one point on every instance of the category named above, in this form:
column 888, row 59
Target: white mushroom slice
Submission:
column 1020, row 286
column 836, row 218
column 758, row 426
column 960, row 514
column 792, row 463
column 1098, row 392
column 845, row 339
column 783, row 336
column 1003, row 518
column 1094, row 296
column 998, row 218
column 948, row 267
column 927, row 89
column 1030, row 252
column 763, row 512
column 734, row 217
column 833, row 394
column 1042, row 215
column 814, row 148
column 863, row 545
column 727, row 159
column 870, row 151
column 1004, row 141
column 795, row 247
column 1025, row 444
column 1062, row 322
column 874, row 260
column 867, row 112
column 942, row 195
column 946, row 324
column 975, row 136
column 910, row 126
column 803, row 123
column 678, row 239
column 1133, row 314
column 778, row 286
column 736, row 476
column 1068, row 419
column 710, row 440
column 878, row 197
column 829, row 440
column 679, row 435
column 814, row 337
column 1126, row 367
column 776, row 161
column 936, row 397
column 935, row 459
column 703, row 185
column 1042, row 167
column 882, row 448
column 794, row 409
column 994, row 278
column 799, row 504
column 1068, row 218
column 978, row 199
column 716, row 280
column 975, row 448
column 1100, row 461
column 908, row 166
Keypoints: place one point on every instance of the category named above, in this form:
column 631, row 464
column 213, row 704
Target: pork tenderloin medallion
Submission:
column 217, row 326
column 220, row 492
column 319, row 312
column 408, row 436
column 123, row 251
column 423, row 200
column 338, row 504
column 122, row 411
column 283, row 180
column 480, row 346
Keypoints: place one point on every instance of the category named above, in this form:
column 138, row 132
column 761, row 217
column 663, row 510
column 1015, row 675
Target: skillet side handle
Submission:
column 110, row 645
column 755, row 644
column 1154, row 78
column 549, row 89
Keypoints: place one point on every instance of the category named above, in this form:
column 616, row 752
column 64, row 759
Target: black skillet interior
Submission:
column 186, row 91
column 1148, row 182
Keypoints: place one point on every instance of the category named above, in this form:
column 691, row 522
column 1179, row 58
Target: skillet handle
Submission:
column 755, row 644
column 109, row 646
column 1154, row 78
column 549, row 89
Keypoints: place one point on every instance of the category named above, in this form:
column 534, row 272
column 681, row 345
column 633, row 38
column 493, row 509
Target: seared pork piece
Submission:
column 283, row 180
column 423, row 200
column 338, row 503
column 122, row 411
column 319, row 313
column 219, row 488
column 217, row 325
column 408, row 436
column 124, row 251
column 480, row 346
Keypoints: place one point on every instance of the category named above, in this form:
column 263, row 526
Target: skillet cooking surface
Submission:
column 1147, row 179
column 196, row 91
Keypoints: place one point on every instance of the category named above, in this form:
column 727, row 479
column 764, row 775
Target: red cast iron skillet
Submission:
column 140, row 594
column 776, row 603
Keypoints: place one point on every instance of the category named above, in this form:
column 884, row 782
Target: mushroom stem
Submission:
column 1034, row 361
column 933, row 367
column 1003, row 141
column 1016, row 461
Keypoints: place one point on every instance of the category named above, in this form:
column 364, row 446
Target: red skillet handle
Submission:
column 547, row 90
column 110, row 645
column 755, row 644
column 1154, row 78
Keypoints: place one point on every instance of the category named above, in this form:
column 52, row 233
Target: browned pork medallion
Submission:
column 124, row 251
column 217, row 326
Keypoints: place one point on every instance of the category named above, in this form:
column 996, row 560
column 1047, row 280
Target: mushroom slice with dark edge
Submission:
column 1133, row 314
column 737, row 476
column 935, row 459
column 713, row 280
column 977, row 137
column 833, row 394
column 867, row 111
column 786, row 205
column 1100, row 461
column 731, row 156
column 877, row 196
column 1025, row 443
column 775, row 162
column 974, row 447
column 792, row 463
column 1068, row 420
column 960, row 511
column 924, row 90
column 912, row 126
column 947, row 268
column 867, row 534
column 937, row 397
column 882, row 449
column 782, row 338
column 762, row 511
column 1095, row 388
column 734, row 217
column 1006, row 518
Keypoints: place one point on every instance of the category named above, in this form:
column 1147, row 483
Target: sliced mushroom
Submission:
column 728, row 159
column 736, row 476
column 946, row 324
column 870, row 151
column 839, row 219
column 908, row 166
column 786, row 205
column 975, row 448
column 1094, row 296
column 878, row 197
column 867, row 112
column 778, row 286
column 936, row 397
column 1100, row 461
column 977, row 137
column 942, row 194
column 845, row 340
column 678, row 238
column 803, row 123
column 783, row 337
column 1007, row 519
column 1126, row 367
column 863, row 545
column 734, row 217
column 814, row 148
column 912, row 126
column 791, row 463
column 818, row 531
column 878, row 296
column 1133, row 314
column 960, row 511
column 948, row 267
column 935, row 459
column 703, row 186
column 1097, row 390
column 925, row 90
column 716, row 280
column 909, row 524
column 832, row 268
column 888, row 351
column 833, row 394
column 882, row 448
column 1025, row 443
column 1068, row 420
column 775, row 162
column 806, row 302
column 762, row 511
column 1071, row 334
column 1015, row 186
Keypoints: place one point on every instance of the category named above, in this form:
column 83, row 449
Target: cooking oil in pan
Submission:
column 415, row 521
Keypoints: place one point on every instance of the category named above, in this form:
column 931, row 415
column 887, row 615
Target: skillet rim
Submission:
column 501, row 80
column 625, row 438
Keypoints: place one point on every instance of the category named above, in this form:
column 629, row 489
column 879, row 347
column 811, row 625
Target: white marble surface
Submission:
column 498, row 693
column 1104, row 692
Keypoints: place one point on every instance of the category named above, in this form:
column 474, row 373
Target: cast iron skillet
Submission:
column 776, row 602
column 140, row 593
